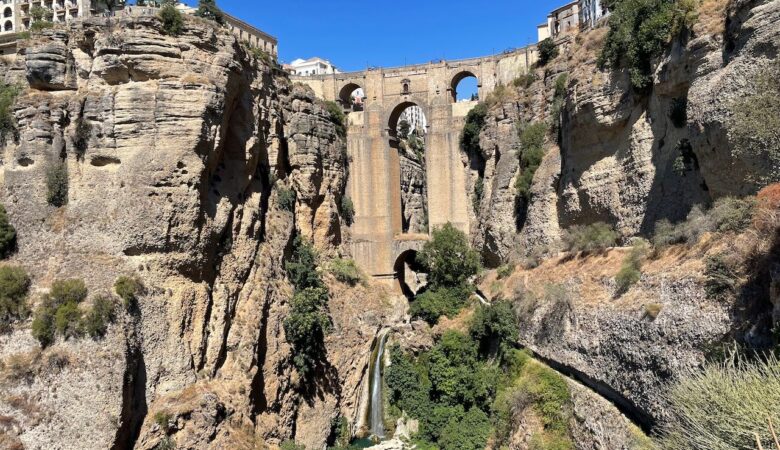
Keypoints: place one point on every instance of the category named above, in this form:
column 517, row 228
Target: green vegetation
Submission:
column 14, row 284
column 95, row 322
column 347, row 210
column 7, row 235
column 475, row 120
column 128, row 289
column 479, row 192
column 631, row 270
column 208, row 9
column 591, row 238
column 432, row 304
column 81, row 140
column 727, row 215
column 640, row 31
column 8, row 94
column 559, row 97
column 57, row 184
column 346, row 271
column 286, row 198
column 61, row 313
column 163, row 420
column 403, row 129
column 721, row 277
column 524, row 81
column 505, row 271
column 494, row 328
column 532, row 152
column 172, row 20
column 338, row 117
column 291, row 445
column 449, row 260
column 41, row 18
column 724, row 406
column 307, row 323
column 756, row 120
column 547, row 51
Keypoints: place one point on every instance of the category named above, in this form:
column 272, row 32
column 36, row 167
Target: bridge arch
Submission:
column 409, row 273
column 457, row 78
column 345, row 95
column 394, row 114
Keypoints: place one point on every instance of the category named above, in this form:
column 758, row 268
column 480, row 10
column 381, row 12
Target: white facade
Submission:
column 591, row 12
column 542, row 32
column 16, row 13
column 312, row 66
column 416, row 118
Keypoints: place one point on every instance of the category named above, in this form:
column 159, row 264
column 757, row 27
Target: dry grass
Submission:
column 712, row 18
column 20, row 367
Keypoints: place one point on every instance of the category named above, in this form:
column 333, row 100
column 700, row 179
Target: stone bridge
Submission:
column 379, row 244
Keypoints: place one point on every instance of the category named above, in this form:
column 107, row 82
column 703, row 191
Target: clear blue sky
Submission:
column 353, row 34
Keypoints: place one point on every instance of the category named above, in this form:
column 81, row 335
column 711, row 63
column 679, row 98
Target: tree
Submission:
column 547, row 51
column 172, row 20
column 449, row 259
column 14, row 284
column 305, row 327
column 7, row 234
column 403, row 129
column 110, row 5
column 494, row 327
column 208, row 9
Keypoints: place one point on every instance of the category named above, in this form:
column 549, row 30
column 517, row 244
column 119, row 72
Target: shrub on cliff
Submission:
column 475, row 120
column 346, row 271
column 302, row 266
column 8, row 94
column 286, row 198
column 640, row 31
column 531, row 154
column 631, row 269
column 448, row 258
column 727, row 215
column 591, row 238
column 95, row 321
column 14, row 284
column 432, row 304
column 172, row 20
column 407, row 388
column 57, row 184
column 547, row 51
column 347, row 210
column 128, row 289
column 208, row 9
column 338, row 117
column 7, row 235
column 494, row 328
column 724, row 406
column 305, row 327
column 756, row 121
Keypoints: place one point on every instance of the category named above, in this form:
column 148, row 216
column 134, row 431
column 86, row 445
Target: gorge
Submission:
column 203, row 251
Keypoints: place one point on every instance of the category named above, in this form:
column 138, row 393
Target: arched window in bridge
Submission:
column 465, row 87
column 405, row 87
column 352, row 97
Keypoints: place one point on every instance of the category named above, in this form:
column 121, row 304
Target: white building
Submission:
column 312, row 66
column 416, row 118
column 591, row 11
column 16, row 15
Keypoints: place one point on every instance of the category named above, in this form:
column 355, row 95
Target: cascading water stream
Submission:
column 376, row 413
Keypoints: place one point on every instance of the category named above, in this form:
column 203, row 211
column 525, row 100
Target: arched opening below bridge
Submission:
column 410, row 275
column 465, row 87
column 408, row 126
column 352, row 97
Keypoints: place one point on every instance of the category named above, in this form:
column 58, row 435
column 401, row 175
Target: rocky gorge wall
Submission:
column 190, row 142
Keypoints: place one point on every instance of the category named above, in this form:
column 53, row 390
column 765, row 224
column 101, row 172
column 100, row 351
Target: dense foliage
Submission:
column 338, row 117
column 57, row 184
column 172, row 20
column 8, row 94
column 475, row 120
column 547, row 51
column 463, row 393
column 448, row 258
column 7, row 235
column 640, row 31
column 61, row 313
column 286, row 198
column 531, row 153
column 208, row 9
column 307, row 322
column 14, row 284
column 347, row 210
column 346, row 271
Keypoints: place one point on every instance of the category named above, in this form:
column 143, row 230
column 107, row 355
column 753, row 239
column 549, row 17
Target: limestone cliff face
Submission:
column 615, row 157
column 189, row 142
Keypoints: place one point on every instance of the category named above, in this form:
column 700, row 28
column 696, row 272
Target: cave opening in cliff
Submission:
column 407, row 129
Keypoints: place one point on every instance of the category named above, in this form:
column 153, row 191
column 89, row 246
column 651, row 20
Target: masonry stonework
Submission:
column 374, row 183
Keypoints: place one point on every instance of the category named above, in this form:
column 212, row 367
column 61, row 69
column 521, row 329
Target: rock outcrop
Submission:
column 177, row 152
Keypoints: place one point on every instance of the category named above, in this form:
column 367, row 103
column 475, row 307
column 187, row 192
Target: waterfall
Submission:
column 376, row 403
